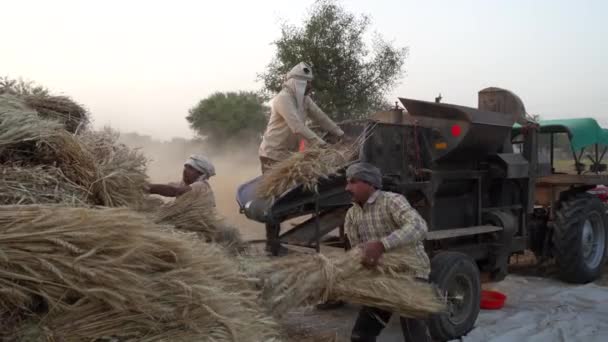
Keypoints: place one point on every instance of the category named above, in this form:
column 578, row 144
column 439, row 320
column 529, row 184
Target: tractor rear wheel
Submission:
column 580, row 238
column 457, row 276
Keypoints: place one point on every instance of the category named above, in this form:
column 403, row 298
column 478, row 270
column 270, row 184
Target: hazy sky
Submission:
column 140, row 65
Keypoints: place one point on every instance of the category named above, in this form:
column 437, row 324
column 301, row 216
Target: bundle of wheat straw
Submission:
column 150, row 205
column 67, row 152
column 299, row 280
column 20, row 87
column 114, row 174
column 397, row 293
column 21, row 125
column 302, row 168
column 84, row 274
column 72, row 115
column 120, row 171
column 30, row 140
column 195, row 212
column 59, row 108
column 39, row 185
column 306, row 168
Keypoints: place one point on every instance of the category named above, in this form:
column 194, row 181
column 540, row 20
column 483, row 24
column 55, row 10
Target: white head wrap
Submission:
column 201, row 164
column 296, row 80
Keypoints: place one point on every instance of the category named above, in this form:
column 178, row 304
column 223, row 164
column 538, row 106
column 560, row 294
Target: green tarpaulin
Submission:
column 583, row 132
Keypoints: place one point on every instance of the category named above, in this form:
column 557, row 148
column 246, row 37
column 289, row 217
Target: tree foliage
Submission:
column 351, row 77
column 232, row 115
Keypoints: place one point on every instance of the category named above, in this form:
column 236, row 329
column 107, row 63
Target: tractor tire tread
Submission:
column 567, row 235
column 441, row 266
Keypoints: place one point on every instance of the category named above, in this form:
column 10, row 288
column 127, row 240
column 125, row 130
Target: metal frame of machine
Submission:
column 482, row 200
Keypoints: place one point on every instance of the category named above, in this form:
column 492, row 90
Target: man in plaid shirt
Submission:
column 378, row 222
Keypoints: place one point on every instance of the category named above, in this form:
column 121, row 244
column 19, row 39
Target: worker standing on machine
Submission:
column 380, row 221
column 287, row 125
column 288, row 114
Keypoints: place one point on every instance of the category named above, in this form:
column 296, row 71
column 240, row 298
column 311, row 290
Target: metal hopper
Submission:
column 461, row 133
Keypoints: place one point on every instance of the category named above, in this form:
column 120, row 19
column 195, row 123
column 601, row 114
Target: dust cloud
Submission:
column 233, row 170
column 234, row 166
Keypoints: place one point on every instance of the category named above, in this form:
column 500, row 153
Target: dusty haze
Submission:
column 234, row 165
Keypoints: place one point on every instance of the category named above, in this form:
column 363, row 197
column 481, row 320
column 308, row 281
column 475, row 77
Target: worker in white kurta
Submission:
column 195, row 176
column 290, row 110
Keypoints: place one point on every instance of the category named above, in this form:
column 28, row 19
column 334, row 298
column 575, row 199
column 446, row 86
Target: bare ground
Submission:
column 335, row 325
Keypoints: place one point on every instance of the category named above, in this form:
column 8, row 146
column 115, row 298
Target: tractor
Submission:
column 490, row 183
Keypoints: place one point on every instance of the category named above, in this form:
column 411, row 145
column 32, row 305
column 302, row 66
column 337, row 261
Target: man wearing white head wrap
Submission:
column 197, row 171
column 202, row 165
column 289, row 111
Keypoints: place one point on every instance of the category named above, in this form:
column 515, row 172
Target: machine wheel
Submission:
column 579, row 238
column 502, row 252
column 457, row 276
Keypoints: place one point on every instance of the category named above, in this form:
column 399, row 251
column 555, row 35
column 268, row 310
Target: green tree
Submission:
column 351, row 77
column 226, row 116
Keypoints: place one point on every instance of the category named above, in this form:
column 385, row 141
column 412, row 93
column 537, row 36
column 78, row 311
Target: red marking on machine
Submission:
column 456, row 130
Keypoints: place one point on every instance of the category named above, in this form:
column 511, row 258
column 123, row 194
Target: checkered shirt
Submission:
column 388, row 217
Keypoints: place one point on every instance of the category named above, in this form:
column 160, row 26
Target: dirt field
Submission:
column 537, row 309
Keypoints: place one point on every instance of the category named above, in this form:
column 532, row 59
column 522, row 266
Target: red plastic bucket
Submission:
column 492, row 300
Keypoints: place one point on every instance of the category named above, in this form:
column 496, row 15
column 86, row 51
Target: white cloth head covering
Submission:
column 296, row 80
column 202, row 165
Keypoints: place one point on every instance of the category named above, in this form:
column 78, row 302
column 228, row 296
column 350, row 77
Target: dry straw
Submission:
column 29, row 140
column 21, row 125
column 72, row 115
column 150, row 205
column 120, row 171
column 39, row 185
column 63, row 109
column 306, row 168
column 112, row 173
column 67, row 152
column 75, row 274
column 20, row 87
column 299, row 280
column 195, row 212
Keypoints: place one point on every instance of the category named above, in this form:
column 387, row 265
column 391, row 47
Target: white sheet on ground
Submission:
column 539, row 309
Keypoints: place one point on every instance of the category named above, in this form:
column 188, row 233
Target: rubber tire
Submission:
column 509, row 221
column 444, row 267
column 567, row 236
